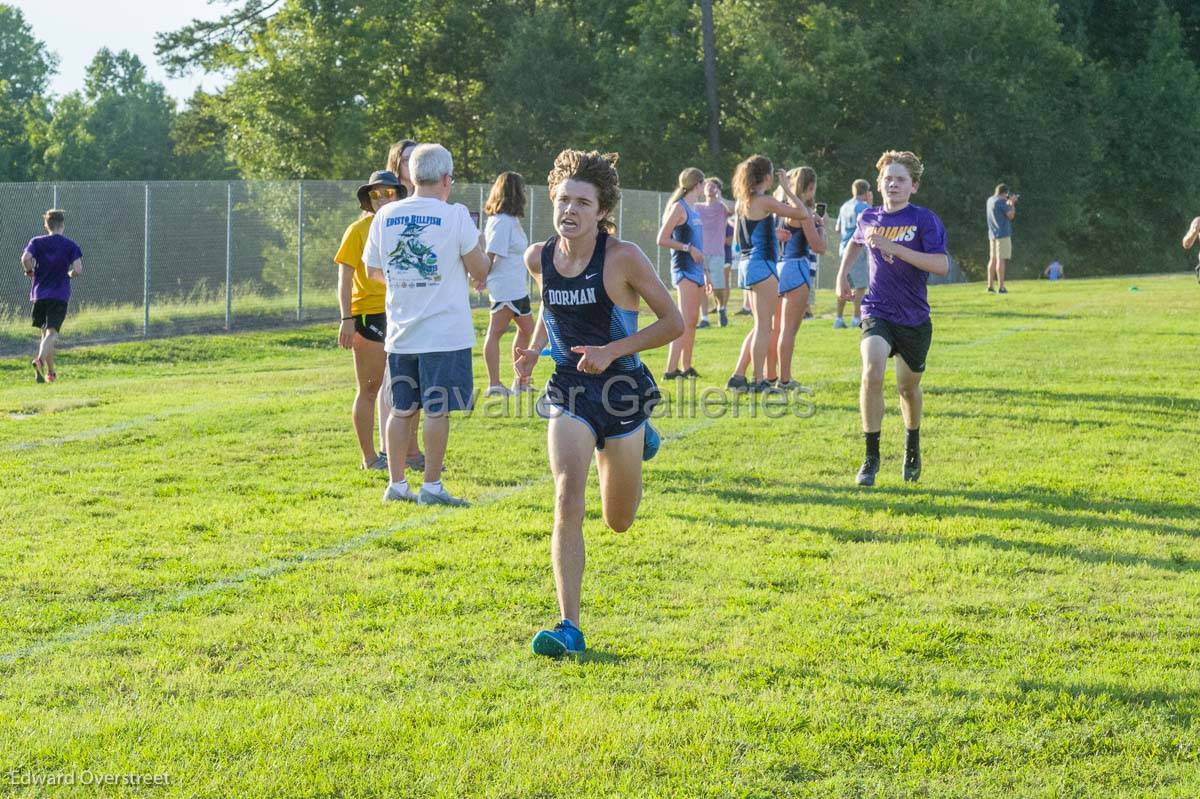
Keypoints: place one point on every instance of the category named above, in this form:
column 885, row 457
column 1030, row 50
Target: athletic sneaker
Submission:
column 1003, row 290
column 427, row 497
column 416, row 462
column 673, row 374
column 725, row 317
column 991, row 290
column 912, row 467
column 839, row 324
column 37, row 370
column 867, row 472
column 761, row 386
column 496, row 391
column 379, row 464
column 855, row 321
column 520, row 388
column 651, row 443
column 564, row 639
column 790, row 385
column 808, row 314
column 393, row 494
column 51, row 376
column 703, row 323
column 689, row 373
column 744, row 312
column 546, row 350
column 738, row 383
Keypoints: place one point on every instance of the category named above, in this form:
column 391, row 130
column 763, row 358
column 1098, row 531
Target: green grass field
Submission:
column 199, row 583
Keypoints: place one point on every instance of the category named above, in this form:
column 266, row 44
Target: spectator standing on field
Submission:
column 508, row 280
column 1190, row 239
column 714, row 221
column 52, row 261
column 1001, row 209
column 423, row 248
column 860, row 271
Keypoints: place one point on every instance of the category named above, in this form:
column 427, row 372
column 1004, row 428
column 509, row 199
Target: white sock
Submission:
column 435, row 487
column 401, row 486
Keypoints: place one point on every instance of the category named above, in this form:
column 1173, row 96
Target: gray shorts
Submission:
column 437, row 382
column 860, row 271
column 715, row 264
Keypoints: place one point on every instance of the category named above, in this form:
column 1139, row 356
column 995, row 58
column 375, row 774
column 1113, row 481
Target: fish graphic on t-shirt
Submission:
column 411, row 253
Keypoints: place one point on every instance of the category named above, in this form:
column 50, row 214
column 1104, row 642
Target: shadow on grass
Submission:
column 1180, row 405
column 598, row 657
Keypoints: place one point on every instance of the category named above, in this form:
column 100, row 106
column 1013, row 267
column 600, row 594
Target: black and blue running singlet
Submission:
column 578, row 311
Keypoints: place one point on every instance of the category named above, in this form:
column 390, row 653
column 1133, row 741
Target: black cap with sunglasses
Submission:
column 378, row 187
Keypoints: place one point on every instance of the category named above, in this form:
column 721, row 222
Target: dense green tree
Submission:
column 25, row 70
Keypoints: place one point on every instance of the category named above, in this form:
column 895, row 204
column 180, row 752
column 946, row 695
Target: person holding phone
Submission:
column 1001, row 210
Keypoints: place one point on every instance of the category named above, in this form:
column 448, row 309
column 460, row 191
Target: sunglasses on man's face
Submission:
column 382, row 194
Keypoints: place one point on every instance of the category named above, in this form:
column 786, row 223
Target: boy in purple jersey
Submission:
column 906, row 243
column 52, row 261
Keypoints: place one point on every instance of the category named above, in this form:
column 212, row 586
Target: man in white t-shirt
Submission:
column 423, row 247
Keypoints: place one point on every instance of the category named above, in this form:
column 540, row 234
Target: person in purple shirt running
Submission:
column 53, row 261
column 905, row 244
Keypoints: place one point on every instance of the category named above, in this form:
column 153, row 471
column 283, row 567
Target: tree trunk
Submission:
column 710, row 80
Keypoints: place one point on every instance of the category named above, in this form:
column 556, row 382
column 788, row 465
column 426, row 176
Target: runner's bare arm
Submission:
column 640, row 276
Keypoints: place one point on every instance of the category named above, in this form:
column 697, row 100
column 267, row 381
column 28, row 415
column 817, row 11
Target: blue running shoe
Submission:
column 546, row 350
column 652, row 442
column 564, row 639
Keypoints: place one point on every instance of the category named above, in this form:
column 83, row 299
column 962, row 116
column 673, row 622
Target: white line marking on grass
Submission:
column 280, row 566
column 150, row 418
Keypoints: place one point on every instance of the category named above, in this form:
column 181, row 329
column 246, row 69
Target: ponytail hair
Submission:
column 689, row 179
column 748, row 175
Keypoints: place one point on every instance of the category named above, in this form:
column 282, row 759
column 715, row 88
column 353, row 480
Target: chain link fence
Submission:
column 170, row 258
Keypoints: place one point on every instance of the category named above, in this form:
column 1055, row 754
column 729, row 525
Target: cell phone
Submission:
column 821, row 209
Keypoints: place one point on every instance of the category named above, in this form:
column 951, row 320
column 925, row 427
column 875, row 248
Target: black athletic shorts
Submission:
column 519, row 307
column 611, row 405
column 49, row 314
column 371, row 326
column 910, row 343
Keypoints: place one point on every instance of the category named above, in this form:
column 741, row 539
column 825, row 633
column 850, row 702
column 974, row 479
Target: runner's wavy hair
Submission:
column 905, row 158
column 507, row 195
column 748, row 175
column 799, row 179
column 599, row 169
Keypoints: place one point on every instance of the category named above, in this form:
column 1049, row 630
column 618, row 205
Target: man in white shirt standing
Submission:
column 423, row 248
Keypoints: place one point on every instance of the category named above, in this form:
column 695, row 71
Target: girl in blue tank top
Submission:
column 599, row 398
column 756, row 209
column 805, row 242
column 681, row 233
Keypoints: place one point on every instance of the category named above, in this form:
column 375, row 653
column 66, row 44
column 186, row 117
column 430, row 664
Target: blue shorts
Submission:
column 612, row 405
column 741, row 271
column 437, row 382
column 794, row 273
column 758, row 270
column 694, row 273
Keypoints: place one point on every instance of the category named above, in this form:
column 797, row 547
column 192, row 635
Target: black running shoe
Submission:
column 689, row 373
column 912, row 467
column 762, row 387
column 867, row 472
column 744, row 312
column 738, row 383
column 673, row 374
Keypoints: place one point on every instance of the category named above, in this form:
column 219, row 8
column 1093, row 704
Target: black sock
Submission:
column 872, row 444
column 912, row 442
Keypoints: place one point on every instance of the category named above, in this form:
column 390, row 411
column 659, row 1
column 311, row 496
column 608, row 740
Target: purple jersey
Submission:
column 896, row 291
column 54, row 255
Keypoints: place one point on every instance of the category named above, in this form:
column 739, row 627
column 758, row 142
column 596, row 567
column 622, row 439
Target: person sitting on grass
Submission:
column 52, row 261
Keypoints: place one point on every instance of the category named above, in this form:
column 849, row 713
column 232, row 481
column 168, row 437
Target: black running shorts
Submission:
column 910, row 343
column 49, row 314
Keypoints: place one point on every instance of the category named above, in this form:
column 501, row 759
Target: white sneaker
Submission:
column 496, row 391
column 427, row 497
column 520, row 388
column 855, row 321
column 393, row 494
